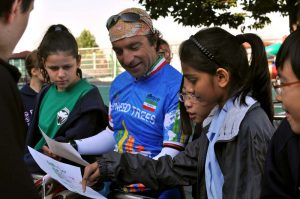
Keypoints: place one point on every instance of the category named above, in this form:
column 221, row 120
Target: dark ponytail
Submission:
column 258, row 80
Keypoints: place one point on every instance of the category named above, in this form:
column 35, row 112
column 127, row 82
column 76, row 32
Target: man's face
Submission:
column 135, row 54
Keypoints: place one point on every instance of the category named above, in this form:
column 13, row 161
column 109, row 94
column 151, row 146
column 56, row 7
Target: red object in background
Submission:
column 274, row 72
column 20, row 55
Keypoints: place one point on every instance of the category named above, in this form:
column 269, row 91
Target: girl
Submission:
column 69, row 108
column 30, row 90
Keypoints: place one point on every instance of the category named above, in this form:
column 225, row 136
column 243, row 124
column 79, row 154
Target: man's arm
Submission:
column 103, row 142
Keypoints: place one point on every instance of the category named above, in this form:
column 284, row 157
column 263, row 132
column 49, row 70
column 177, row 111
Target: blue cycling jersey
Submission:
column 144, row 113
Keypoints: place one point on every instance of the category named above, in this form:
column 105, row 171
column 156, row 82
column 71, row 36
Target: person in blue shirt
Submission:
column 144, row 113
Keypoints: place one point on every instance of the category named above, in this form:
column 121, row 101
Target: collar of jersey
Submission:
column 159, row 63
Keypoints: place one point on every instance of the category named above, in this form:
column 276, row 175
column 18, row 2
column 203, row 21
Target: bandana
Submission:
column 123, row 29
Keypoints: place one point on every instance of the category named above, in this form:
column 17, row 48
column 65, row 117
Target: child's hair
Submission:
column 31, row 61
column 57, row 39
column 185, row 122
column 290, row 49
column 212, row 48
column 160, row 42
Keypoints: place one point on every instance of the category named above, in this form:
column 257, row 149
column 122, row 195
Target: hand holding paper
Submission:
column 64, row 150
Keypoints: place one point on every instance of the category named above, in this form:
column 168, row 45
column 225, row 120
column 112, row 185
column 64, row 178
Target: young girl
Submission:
column 30, row 90
column 227, row 159
column 69, row 108
column 282, row 173
column 193, row 113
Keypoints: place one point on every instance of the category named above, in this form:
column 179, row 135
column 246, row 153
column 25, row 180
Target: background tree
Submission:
column 86, row 40
column 220, row 12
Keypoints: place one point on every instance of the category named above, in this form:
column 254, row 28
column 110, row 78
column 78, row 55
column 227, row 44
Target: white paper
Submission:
column 64, row 150
column 67, row 175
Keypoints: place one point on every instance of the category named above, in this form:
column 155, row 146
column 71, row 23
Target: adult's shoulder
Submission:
column 172, row 72
column 123, row 76
column 121, row 79
column 171, row 76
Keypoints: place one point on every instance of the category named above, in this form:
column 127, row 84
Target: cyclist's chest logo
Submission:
column 151, row 103
column 62, row 116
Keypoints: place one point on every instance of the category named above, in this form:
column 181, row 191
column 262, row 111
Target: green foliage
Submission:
column 86, row 40
column 220, row 12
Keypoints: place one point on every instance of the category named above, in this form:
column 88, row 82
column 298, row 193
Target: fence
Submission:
column 99, row 64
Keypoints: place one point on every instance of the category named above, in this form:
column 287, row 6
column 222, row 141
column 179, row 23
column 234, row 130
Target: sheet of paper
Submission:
column 67, row 175
column 64, row 150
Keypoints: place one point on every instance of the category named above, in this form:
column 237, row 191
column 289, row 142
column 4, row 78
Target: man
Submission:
column 144, row 108
column 16, row 182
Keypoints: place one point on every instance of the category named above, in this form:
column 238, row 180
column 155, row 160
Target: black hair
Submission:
column 185, row 122
column 290, row 49
column 57, row 39
column 31, row 61
column 160, row 42
column 6, row 6
column 213, row 48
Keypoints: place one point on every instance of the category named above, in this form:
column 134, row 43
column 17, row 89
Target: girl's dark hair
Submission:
column 212, row 48
column 57, row 39
column 185, row 122
column 31, row 61
column 290, row 49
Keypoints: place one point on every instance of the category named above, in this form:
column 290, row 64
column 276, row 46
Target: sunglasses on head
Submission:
column 126, row 17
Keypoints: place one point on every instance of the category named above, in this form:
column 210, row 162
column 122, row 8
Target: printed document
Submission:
column 64, row 150
column 68, row 175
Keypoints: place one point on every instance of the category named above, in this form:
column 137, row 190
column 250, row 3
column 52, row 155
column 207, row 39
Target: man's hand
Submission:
column 91, row 175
